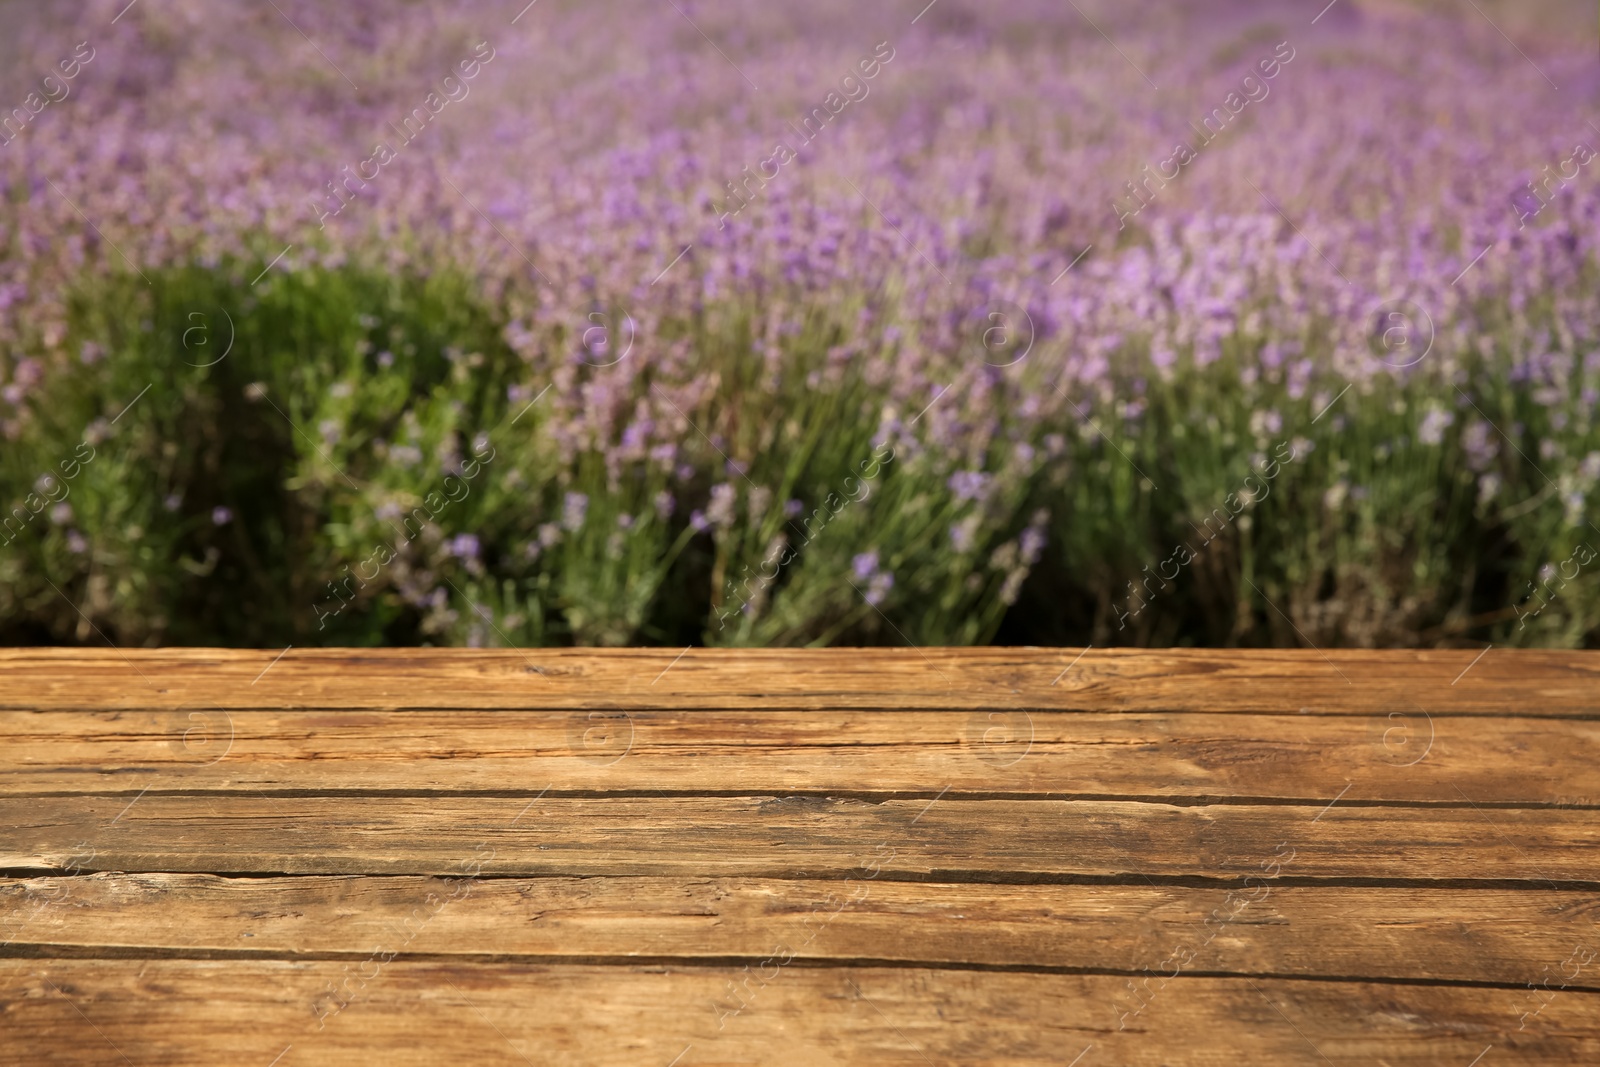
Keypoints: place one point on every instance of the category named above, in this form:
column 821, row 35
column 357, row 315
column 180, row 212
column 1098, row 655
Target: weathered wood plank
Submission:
column 211, row 1012
column 952, row 840
column 1350, row 858
column 1492, row 936
column 1302, row 757
column 1353, row 681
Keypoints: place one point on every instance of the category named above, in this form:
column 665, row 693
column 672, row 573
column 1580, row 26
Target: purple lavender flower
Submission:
column 574, row 508
column 464, row 546
column 865, row 565
column 1032, row 543
column 1434, row 423
column 1266, row 423
column 722, row 507
column 1479, row 443
column 963, row 535
column 221, row 516
column 635, row 436
column 970, row 485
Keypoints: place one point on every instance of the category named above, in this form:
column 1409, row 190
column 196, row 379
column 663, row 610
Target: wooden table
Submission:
column 987, row 856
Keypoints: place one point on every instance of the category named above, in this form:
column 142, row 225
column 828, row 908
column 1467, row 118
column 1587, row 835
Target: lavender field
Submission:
column 701, row 322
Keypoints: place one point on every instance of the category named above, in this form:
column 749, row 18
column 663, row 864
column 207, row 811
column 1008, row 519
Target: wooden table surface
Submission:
column 642, row 857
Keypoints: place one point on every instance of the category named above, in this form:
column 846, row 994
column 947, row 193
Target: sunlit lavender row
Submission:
column 688, row 323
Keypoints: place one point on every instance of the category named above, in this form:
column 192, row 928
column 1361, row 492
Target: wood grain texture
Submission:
column 1311, row 758
column 948, row 840
column 1533, row 682
column 210, row 1012
column 1478, row 936
column 943, row 856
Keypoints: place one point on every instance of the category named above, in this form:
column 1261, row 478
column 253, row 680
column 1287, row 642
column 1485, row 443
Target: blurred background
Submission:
column 732, row 324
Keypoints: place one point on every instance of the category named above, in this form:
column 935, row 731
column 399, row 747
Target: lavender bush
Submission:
column 358, row 325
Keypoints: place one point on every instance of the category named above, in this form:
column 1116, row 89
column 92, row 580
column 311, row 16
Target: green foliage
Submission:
column 386, row 476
